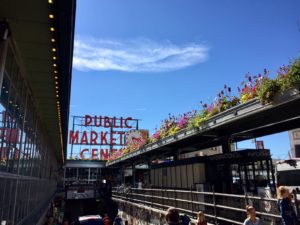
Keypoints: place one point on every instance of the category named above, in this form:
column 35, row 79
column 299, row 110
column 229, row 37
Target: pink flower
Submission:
column 156, row 134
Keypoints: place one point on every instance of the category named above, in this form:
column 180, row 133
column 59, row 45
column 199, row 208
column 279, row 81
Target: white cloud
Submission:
column 138, row 55
column 141, row 109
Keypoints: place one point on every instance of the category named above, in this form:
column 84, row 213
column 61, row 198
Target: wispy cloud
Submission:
column 138, row 55
column 141, row 109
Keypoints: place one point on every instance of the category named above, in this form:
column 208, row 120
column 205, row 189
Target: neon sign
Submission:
column 93, row 132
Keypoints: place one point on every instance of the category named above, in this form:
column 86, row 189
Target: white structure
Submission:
column 294, row 136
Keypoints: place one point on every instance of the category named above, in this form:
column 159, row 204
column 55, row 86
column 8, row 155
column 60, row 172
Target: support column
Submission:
column 226, row 146
column 227, row 179
column 3, row 50
column 176, row 154
column 133, row 174
column 123, row 174
column 150, row 168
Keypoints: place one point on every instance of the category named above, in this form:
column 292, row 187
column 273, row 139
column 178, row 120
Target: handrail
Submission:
column 205, row 193
column 180, row 209
column 134, row 195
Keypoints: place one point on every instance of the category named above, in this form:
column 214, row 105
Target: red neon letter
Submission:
column 115, row 123
column 126, row 122
column 82, row 152
column 94, row 153
column 112, row 139
column 94, row 137
column 121, row 133
column 104, row 155
column 87, row 120
column 106, row 122
column 84, row 139
column 73, row 138
column 99, row 124
column 103, row 137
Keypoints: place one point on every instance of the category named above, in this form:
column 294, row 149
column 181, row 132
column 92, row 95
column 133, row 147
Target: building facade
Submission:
column 294, row 136
column 34, row 104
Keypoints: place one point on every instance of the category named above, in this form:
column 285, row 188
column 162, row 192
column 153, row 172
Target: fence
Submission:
column 218, row 207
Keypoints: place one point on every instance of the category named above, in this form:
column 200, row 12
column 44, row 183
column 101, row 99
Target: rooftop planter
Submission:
column 258, row 93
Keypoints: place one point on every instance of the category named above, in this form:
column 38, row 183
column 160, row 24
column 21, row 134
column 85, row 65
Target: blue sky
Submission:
column 147, row 58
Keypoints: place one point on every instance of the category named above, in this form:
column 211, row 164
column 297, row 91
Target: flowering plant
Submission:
column 260, row 86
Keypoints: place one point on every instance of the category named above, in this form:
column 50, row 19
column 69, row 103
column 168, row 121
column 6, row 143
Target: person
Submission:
column 65, row 222
column 118, row 220
column 172, row 216
column 201, row 218
column 185, row 220
column 50, row 220
column 106, row 219
column 251, row 216
column 287, row 211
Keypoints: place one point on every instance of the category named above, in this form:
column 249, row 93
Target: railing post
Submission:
column 214, row 202
column 145, row 197
column 175, row 197
column 163, row 195
column 192, row 199
column 246, row 197
column 296, row 202
column 151, row 197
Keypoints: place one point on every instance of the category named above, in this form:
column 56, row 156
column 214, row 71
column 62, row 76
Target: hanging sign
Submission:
column 91, row 132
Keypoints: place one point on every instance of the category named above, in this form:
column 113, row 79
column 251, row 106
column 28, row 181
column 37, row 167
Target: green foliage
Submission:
column 197, row 121
column 213, row 111
column 234, row 101
column 292, row 78
column 173, row 130
column 267, row 90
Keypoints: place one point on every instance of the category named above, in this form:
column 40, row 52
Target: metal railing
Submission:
column 216, row 206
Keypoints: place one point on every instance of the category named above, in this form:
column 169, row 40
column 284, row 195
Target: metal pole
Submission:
column 214, row 202
column 175, row 186
column 193, row 172
column 192, row 200
column 273, row 176
column 268, row 172
column 18, row 165
column 3, row 51
column 253, row 171
column 246, row 176
column 111, row 132
column 133, row 175
column 72, row 142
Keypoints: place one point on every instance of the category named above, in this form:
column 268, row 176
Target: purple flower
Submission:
column 210, row 108
column 182, row 122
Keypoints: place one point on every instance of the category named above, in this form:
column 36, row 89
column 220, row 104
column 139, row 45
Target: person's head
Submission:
column 250, row 211
column 200, row 216
column 50, row 220
column 185, row 220
column 283, row 192
column 65, row 222
column 105, row 215
column 172, row 215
